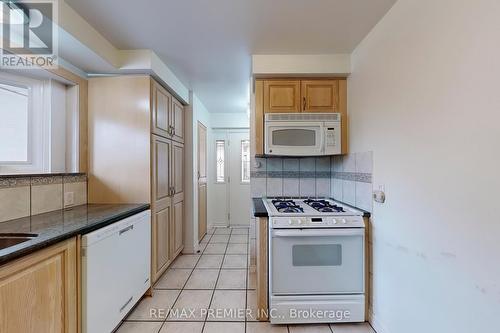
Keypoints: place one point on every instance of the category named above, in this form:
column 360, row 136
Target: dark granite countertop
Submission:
column 59, row 225
column 259, row 209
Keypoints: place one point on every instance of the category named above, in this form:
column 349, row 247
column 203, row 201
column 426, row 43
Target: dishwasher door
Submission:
column 115, row 271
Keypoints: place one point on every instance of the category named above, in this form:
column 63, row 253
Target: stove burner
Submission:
column 324, row 206
column 287, row 206
column 290, row 210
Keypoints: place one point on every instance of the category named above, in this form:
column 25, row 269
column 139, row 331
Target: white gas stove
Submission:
column 316, row 261
column 312, row 213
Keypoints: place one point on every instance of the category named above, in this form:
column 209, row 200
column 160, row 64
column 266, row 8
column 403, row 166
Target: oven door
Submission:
column 294, row 139
column 317, row 261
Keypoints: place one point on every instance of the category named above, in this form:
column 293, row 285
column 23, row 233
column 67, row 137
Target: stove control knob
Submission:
column 344, row 221
column 290, row 222
column 299, row 221
column 334, row 221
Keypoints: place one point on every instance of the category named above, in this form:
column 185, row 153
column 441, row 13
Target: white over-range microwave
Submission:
column 302, row 134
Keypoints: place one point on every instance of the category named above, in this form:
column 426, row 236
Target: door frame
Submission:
column 201, row 126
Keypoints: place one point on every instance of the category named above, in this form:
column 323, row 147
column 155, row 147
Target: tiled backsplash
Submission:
column 22, row 196
column 345, row 178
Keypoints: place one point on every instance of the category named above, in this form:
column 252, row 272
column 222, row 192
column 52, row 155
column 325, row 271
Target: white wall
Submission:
column 229, row 120
column 195, row 112
column 301, row 64
column 423, row 96
column 58, row 129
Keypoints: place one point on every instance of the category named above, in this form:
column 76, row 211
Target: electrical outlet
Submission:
column 69, row 198
column 379, row 196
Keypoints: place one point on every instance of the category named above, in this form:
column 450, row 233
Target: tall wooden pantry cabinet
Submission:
column 136, row 155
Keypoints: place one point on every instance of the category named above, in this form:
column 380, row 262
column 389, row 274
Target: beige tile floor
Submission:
column 194, row 293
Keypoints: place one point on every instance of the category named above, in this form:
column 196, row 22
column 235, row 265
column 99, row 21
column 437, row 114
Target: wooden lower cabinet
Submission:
column 202, row 210
column 168, row 203
column 262, row 263
column 178, row 228
column 161, row 242
column 38, row 293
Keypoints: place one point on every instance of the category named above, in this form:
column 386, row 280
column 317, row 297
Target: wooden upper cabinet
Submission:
column 161, row 105
column 320, row 95
column 167, row 114
column 295, row 95
column 177, row 121
column 281, row 96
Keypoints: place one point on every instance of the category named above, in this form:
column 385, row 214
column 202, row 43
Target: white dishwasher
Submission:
column 115, row 271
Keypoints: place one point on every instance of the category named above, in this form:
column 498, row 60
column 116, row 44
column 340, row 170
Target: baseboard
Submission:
column 190, row 249
column 224, row 225
column 217, row 225
column 377, row 323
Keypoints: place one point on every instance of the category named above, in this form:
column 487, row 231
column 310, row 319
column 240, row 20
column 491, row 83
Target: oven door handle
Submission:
column 318, row 232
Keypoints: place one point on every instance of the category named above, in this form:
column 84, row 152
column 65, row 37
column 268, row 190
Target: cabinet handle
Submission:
column 130, row 227
column 303, row 104
column 126, row 303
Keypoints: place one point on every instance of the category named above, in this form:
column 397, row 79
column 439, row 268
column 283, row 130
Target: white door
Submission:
column 239, row 178
column 218, row 191
column 229, row 186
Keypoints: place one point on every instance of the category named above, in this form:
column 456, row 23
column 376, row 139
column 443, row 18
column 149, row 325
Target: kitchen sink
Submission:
column 8, row 240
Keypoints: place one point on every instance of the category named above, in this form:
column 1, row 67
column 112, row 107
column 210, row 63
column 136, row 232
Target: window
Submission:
column 245, row 161
column 220, row 147
column 14, row 127
column 37, row 118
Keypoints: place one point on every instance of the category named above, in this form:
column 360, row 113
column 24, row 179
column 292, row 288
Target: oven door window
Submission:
column 294, row 137
column 317, row 255
column 317, row 265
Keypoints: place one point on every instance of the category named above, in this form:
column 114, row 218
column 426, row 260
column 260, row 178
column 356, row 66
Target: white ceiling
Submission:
column 208, row 43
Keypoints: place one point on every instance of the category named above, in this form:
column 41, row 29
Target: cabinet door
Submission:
column 161, row 241
column 160, row 157
column 178, row 226
column 161, row 204
column 202, row 210
column 177, row 179
column 320, row 96
column 38, row 292
column 178, row 197
column 281, row 96
column 161, row 104
column 177, row 121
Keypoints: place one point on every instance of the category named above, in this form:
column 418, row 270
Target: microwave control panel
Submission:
column 332, row 138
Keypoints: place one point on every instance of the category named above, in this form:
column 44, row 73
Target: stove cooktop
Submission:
column 311, row 213
column 307, row 207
